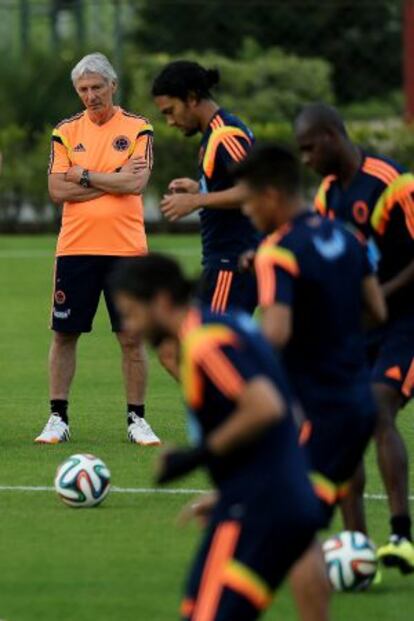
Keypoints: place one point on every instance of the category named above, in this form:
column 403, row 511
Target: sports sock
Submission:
column 401, row 526
column 60, row 407
column 139, row 410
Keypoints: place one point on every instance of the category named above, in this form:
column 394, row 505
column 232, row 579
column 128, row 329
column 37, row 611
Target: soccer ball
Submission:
column 351, row 560
column 82, row 481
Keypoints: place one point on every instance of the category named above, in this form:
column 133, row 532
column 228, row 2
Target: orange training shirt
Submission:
column 112, row 224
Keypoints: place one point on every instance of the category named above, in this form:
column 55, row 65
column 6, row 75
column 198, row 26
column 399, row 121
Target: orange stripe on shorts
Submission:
column 408, row 384
column 222, row 292
column 221, row 550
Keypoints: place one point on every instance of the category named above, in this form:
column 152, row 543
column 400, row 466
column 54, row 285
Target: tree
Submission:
column 361, row 38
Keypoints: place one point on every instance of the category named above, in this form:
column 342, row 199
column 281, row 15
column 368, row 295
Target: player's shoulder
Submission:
column 381, row 168
column 68, row 123
column 282, row 248
column 204, row 332
column 137, row 121
column 224, row 121
column 325, row 185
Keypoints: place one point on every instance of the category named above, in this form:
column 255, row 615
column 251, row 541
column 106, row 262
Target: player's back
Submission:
column 327, row 346
column 226, row 233
column 220, row 354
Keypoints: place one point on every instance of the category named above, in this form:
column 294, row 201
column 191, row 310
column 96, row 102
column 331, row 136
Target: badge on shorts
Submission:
column 121, row 143
column 60, row 297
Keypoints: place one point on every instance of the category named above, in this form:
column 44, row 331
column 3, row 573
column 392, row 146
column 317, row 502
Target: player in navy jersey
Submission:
column 182, row 92
column 264, row 514
column 314, row 279
column 375, row 195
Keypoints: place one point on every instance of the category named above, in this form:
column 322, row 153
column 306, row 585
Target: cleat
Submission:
column 140, row 432
column 54, row 432
column 398, row 552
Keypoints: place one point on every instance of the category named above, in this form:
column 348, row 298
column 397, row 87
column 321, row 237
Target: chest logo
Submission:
column 121, row 143
column 360, row 212
column 332, row 248
column 201, row 154
column 79, row 148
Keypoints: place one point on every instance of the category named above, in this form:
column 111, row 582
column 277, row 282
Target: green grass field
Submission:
column 125, row 560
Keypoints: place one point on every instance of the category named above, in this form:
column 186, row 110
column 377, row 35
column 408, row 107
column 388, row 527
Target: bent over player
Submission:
column 314, row 278
column 375, row 195
column 100, row 164
column 182, row 92
column 266, row 513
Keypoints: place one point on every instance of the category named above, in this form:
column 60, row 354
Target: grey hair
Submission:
column 94, row 63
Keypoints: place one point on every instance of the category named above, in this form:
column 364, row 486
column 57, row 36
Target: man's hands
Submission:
column 130, row 179
column 134, row 165
column 177, row 206
column 246, row 261
column 184, row 185
column 175, row 463
column 182, row 200
column 199, row 510
column 74, row 174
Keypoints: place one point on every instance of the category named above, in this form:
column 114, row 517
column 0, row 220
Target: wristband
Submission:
column 85, row 181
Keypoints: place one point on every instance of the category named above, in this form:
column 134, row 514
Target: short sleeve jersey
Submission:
column 380, row 204
column 316, row 267
column 112, row 224
column 219, row 355
column 225, row 233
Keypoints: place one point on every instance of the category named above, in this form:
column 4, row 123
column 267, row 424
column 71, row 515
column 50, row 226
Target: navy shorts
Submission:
column 340, row 431
column 392, row 356
column 79, row 282
column 245, row 555
column 222, row 289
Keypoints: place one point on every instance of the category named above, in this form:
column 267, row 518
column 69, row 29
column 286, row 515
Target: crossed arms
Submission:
column 131, row 179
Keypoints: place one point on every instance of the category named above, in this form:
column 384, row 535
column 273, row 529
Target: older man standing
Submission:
column 100, row 164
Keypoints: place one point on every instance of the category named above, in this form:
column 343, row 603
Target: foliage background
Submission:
column 273, row 55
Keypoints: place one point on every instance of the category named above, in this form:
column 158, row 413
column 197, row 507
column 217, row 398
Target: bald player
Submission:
column 374, row 195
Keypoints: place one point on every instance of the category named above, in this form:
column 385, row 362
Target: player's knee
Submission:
column 168, row 356
column 65, row 339
column 132, row 347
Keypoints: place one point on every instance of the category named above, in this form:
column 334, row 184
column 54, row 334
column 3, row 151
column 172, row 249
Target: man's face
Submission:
column 95, row 92
column 144, row 319
column 318, row 149
column 262, row 206
column 178, row 113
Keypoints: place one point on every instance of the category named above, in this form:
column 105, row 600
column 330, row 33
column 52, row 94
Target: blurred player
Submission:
column 375, row 195
column 265, row 514
column 182, row 92
column 100, row 164
column 313, row 279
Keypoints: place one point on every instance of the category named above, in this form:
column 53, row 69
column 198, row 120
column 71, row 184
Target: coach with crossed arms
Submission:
column 100, row 164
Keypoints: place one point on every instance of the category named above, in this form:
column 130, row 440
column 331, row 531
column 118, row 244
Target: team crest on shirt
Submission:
column 121, row 143
column 332, row 248
column 60, row 297
column 360, row 212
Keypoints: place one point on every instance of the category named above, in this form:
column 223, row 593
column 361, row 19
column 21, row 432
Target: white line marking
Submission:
column 145, row 490
column 117, row 490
